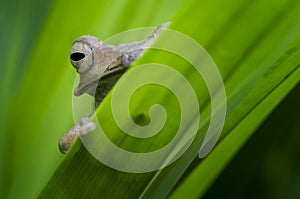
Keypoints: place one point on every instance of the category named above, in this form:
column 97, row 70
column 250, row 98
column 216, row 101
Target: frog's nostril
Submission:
column 77, row 56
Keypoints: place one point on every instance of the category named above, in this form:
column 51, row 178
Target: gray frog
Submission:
column 100, row 66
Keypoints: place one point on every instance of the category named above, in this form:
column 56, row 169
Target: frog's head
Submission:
column 82, row 52
column 90, row 57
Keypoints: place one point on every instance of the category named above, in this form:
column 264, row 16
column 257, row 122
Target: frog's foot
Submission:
column 86, row 126
column 81, row 128
column 68, row 138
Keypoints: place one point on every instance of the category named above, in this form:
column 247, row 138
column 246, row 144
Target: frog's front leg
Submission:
column 83, row 127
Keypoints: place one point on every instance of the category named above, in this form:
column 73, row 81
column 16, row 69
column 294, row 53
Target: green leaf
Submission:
column 211, row 167
column 248, row 60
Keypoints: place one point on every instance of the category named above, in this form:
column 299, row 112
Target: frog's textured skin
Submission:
column 100, row 66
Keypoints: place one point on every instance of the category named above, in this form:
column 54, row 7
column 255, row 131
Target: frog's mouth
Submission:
column 90, row 87
column 114, row 70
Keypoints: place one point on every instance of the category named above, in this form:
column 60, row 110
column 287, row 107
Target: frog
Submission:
column 100, row 66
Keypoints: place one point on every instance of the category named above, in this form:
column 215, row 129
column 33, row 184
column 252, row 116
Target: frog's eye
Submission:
column 81, row 57
column 77, row 56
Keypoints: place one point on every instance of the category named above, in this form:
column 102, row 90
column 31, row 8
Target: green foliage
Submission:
column 255, row 45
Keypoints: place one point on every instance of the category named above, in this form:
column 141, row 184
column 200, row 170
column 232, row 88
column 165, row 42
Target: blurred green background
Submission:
column 36, row 83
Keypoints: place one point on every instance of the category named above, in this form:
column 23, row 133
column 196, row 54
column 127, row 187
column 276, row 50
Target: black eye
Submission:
column 77, row 56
